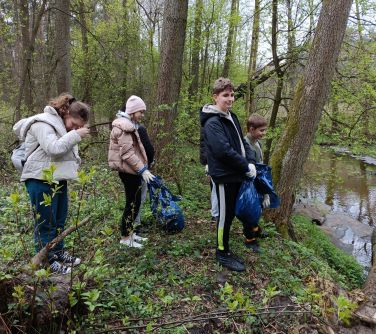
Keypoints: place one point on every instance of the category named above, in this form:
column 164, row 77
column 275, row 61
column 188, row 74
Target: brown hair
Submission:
column 62, row 103
column 66, row 104
column 80, row 110
column 256, row 121
column 222, row 84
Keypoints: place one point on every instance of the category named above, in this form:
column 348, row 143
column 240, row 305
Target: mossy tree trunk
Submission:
column 312, row 91
column 230, row 39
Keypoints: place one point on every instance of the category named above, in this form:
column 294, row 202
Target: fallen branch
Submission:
column 41, row 256
column 214, row 315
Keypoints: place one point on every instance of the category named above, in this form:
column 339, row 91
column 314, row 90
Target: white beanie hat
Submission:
column 134, row 104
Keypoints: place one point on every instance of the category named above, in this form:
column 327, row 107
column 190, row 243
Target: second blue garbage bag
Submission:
column 248, row 205
column 163, row 205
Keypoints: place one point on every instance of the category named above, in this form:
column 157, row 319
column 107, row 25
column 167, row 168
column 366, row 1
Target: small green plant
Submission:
column 345, row 308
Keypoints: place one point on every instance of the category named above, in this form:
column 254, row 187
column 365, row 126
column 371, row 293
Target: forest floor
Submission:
column 173, row 284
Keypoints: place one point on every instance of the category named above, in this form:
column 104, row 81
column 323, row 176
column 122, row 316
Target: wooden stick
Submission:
column 39, row 258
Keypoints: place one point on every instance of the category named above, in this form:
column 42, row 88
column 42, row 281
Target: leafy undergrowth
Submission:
column 173, row 284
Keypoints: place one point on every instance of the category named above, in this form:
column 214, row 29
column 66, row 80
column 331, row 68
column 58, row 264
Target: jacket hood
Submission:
column 124, row 124
column 49, row 116
column 210, row 110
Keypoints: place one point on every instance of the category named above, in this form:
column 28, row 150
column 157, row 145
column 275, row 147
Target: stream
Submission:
column 346, row 186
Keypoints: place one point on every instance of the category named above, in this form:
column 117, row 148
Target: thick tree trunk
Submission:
column 230, row 40
column 250, row 103
column 62, row 47
column 312, row 91
column 170, row 72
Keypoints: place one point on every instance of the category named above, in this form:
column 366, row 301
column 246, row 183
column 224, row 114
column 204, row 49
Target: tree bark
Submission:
column 28, row 45
column 230, row 39
column 196, row 46
column 312, row 91
column 250, row 103
column 280, row 73
column 170, row 72
column 62, row 47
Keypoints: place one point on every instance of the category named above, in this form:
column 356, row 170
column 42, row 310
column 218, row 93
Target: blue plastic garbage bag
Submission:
column 248, row 204
column 264, row 184
column 164, row 206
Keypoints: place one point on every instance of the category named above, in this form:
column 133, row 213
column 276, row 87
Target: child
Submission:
column 127, row 155
column 256, row 130
column 213, row 195
column 229, row 160
column 149, row 149
column 52, row 138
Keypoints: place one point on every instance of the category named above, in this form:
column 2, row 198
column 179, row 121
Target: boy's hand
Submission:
column 251, row 171
column 266, row 201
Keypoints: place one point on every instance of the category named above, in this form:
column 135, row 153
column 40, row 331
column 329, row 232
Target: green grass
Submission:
column 176, row 276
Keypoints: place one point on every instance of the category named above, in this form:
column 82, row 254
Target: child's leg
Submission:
column 214, row 200
column 226, row 194
column 44, row 216
column 144, row 190
column 132, row 186
column 60, row 206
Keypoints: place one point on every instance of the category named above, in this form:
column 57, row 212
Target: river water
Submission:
column 345, row 183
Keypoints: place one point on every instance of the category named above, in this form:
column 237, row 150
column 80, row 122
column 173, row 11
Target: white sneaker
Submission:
column 130, row 243
column 138, row 238
column 59, row 268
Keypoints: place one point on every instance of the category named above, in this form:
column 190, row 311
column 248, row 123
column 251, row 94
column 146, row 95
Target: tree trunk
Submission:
column 170, row 72
column 250, row 103
column 87, row 73
column 62, row 47
column 312, row 91
column 280, row 73
column 230, row 39
column 195, row 63
column 28, row 44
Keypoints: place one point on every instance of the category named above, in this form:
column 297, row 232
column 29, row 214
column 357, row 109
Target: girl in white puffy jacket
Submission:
column 51, row 138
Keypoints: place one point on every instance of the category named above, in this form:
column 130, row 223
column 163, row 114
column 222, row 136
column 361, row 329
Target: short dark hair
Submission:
column 256, row 121
column 222, row 84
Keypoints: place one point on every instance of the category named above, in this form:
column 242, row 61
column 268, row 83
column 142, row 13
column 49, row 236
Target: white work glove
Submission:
column 251, row 171
column 266, row 201
column 147, row 176
column 206, row 170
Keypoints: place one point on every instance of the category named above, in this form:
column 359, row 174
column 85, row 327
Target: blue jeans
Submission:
column 49, row 220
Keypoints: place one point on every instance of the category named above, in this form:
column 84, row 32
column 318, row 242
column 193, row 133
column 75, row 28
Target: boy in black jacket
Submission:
column 230, row 160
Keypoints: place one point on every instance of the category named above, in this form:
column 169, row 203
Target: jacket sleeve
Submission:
column 203, row 158
column 249, row 153
column 50, row 142
column 219, row 146
column 145, row 140
column 127, row 152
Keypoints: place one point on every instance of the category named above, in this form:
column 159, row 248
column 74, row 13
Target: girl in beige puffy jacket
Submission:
column 127, row 156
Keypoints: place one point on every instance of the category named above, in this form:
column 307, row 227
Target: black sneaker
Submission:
column 262, row 234
column 253, row 245
column 237, row 258
column 227, row 260
column 66, row 258
column 214, row 219
column 58, row 268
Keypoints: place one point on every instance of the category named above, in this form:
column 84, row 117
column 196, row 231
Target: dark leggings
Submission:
column 132, row 187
